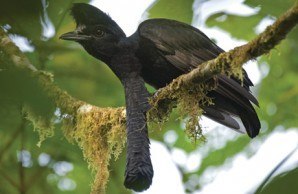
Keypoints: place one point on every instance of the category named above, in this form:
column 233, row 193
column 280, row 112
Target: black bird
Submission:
column 159, row 51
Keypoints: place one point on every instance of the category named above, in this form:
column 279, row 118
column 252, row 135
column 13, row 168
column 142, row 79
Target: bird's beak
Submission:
column 74, row 36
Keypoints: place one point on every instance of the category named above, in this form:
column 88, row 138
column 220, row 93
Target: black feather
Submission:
column 85, row 14
column 221, row 117
column 177, row 48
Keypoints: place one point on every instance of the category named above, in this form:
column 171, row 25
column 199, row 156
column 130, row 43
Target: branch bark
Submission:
column 62, row 99
column 232, row 61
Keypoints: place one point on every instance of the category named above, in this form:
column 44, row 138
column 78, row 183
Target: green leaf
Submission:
column 23, row 17
column 283, row 183
column 270, row 8
column 279, row 88
column 238, row 26
column 180, row 10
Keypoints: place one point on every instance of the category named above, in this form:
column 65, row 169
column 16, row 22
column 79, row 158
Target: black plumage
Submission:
column 159, row 51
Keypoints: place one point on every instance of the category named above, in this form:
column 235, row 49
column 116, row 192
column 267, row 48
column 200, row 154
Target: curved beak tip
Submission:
column 69, row 36
column 74, row 36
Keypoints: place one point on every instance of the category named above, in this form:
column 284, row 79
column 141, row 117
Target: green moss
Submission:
column 100, row 133
column 42, row 124
column 189, row 98
column 230, row 63
column 188, row 92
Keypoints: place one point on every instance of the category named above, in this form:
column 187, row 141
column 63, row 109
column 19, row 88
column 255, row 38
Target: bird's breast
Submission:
column 125, row 64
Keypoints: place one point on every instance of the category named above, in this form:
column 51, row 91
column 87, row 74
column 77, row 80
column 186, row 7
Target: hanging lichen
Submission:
column 42, row 124
column 100, row 133
column 189, row 99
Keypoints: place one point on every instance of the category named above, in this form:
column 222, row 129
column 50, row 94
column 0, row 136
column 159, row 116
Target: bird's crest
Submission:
column 89, row 15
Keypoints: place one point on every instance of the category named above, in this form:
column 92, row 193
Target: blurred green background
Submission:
column 58, row 166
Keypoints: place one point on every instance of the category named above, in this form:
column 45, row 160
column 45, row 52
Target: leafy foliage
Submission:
column 283, row 182
column 181, row 10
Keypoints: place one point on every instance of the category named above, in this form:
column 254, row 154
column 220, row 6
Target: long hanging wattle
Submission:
column 139, row 170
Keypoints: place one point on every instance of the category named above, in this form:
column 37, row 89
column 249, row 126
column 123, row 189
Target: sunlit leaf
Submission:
column 180, row 10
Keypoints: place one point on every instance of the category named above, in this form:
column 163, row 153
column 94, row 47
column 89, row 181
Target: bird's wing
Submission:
column 186, row 47
column 183, row 46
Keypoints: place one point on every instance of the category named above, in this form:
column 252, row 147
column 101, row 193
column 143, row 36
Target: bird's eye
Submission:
column 99, row 33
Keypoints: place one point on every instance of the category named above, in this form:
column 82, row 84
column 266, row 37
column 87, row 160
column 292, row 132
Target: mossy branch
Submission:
column 99, row 131
column 231, row 62
column 188, row 92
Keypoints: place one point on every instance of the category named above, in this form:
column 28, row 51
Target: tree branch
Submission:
column 100, row 131
column 232, row 61
column 21, row 160
column 12, row 139
column 62, row 99
column 189, row 91
column 9, row 179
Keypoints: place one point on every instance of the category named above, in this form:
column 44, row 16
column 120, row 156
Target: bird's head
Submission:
column 95, row 31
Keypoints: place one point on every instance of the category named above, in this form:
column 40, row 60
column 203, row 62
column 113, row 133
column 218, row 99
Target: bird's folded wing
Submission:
column 185, row 48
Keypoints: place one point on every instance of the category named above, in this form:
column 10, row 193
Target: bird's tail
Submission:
column 231, row 99
column 250, row 121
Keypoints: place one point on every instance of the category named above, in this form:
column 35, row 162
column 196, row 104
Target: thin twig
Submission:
column 268, row 177
column 21, row 167
column 12, row 139
column 36, row 176
column 63, row 16
column 10, row 180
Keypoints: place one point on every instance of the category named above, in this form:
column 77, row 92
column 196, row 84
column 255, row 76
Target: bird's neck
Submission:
column 125, row 63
